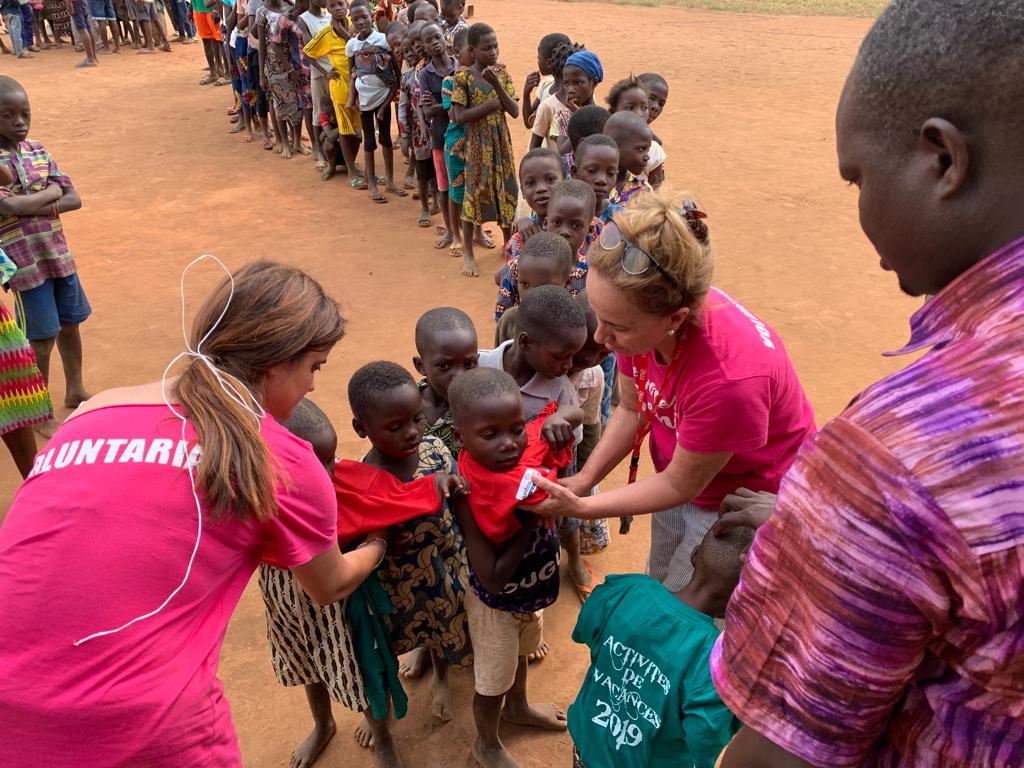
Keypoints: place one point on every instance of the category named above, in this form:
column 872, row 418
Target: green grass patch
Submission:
column 860, row 8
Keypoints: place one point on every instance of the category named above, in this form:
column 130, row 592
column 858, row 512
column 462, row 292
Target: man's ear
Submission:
column 358, row 427
column 417, row 363
column 949, row 155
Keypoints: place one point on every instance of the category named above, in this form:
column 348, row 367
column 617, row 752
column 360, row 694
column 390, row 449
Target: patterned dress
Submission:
column 491, row 190
column 427, row 583
column 283, row 92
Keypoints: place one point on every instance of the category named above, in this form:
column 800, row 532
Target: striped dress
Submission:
column 879, row 620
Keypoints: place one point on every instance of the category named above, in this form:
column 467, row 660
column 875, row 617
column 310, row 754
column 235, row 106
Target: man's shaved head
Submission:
column 960, row 60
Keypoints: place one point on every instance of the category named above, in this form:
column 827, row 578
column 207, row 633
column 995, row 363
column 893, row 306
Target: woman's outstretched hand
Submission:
column 562, row 500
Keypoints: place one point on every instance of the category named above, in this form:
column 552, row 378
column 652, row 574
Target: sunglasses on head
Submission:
column 635, row 260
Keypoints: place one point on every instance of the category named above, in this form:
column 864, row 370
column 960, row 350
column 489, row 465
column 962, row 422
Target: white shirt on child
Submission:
column 371, row 89
column 655, row 158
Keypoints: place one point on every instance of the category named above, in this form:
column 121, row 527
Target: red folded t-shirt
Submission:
column 494, row 496
column 370, row 498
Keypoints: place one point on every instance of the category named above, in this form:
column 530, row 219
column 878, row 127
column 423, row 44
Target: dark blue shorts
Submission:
column 80, row 13
column 58, row 301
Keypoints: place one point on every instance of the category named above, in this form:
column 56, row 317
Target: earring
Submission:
column 672, row 332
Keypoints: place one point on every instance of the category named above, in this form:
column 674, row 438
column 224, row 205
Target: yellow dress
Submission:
column 328, row 43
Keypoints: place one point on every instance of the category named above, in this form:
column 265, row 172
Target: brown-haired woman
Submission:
column 710, row 382
column 107, row 542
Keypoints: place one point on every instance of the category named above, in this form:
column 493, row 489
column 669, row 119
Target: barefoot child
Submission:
column 49, row 294
column 330, row 144
column 431, row 85
column 425, row 574
column 580, row 76
column 546, row 260
column 455, row 142
column 630, row 132
column 481, row 97
column 373, row 83
column 446, row 346
column 417, row 126
column 656, row 645
column 513, row 559
column 311, row 645
column 331, row 42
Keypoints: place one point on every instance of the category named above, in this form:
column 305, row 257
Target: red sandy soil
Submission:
column 748, row 130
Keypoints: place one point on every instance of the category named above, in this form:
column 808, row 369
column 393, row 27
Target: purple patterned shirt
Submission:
column 35, row 243
column 880, row 617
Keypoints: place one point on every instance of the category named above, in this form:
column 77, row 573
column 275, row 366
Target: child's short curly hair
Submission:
column 367, row 384
column 479, row 384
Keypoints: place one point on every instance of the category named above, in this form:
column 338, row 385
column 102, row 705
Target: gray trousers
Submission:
column 675, row 533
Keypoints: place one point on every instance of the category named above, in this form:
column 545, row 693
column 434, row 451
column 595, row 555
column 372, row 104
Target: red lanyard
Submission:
column 645, row 413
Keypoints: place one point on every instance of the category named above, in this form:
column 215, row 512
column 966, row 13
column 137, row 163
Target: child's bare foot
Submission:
column 153, row 50
column 396, row 191
column 482, row 238
column 47, row 428
column 238, row 127
column 493, row 757
column 363, row 735
column 385, row 754
column 414, row 664
column 286, row 152
column 74, row 398
column 376, row 196
column 441, row 700
column 305, row 150
column 469, row 266
column 327, row 172
column 542, row 651
column 309, row 749
column 545, row 716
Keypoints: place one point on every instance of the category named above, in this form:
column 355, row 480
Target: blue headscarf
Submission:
column 589, row 63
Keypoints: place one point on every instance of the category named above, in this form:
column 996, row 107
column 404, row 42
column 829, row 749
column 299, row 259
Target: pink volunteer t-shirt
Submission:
column 738, row 393
column 100, row 533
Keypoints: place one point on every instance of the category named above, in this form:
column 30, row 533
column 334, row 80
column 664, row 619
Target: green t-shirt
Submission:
column 201, row 7
column 647, row 700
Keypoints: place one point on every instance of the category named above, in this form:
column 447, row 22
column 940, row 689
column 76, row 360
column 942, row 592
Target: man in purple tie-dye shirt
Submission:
column 880, row 618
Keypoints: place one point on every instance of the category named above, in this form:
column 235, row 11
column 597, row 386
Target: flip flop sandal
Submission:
column 409, row 184
column 359, row 183
column 583, row 590
column 423, row 220
column 381, row 180
column 456, row 250
column 320, row 165
column 379, row 198
column 208, row 80
column 399, row 192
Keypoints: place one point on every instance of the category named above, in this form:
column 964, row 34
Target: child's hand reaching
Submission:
column 532, row 82
column 557, row 432
column 446, row 484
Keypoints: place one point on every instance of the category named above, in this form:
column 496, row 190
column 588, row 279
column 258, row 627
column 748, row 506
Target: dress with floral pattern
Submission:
column 491, row 192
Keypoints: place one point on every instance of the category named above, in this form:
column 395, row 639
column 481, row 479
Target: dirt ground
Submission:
column 748, row 129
